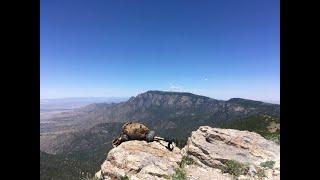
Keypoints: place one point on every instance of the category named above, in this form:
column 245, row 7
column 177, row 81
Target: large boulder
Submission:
column 210, row 145
column 140, row 160
column 211, row 148
column 207, row 156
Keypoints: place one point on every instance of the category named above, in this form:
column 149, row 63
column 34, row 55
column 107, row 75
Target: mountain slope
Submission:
column 158, row 109
column 85, row 134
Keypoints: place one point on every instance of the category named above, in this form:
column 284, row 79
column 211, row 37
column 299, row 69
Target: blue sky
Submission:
column 108, row 48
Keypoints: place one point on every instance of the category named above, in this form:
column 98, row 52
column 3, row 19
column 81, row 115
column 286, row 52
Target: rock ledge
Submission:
column 208, row 148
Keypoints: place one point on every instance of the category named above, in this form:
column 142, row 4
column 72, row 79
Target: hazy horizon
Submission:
column 126, row 98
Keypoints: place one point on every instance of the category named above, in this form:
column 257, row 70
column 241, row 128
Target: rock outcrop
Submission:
column 211, row 148
column 140, row 160
column 206, row 156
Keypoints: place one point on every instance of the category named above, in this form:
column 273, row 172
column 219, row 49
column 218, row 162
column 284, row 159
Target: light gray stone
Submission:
column 208, row 147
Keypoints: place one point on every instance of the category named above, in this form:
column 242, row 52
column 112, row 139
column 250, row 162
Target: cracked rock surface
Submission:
column 211, row 147
column 208, row 147
column 140, row 160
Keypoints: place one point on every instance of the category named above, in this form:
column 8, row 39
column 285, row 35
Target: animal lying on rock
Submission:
column 138, row 131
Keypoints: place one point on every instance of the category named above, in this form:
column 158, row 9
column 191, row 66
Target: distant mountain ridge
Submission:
column 84, row 134
column 158, row 109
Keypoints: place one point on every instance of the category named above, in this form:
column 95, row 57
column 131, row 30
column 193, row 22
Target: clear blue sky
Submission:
column 107, row 48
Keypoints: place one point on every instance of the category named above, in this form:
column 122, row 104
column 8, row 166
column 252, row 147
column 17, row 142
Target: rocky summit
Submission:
column 210, row 153
column 141, row 160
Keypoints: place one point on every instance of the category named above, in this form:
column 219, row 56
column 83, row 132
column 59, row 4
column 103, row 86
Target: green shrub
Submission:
column 124, row 178
column 267, row 164
column 186, row 160
column 233, row 167
column 180, row 174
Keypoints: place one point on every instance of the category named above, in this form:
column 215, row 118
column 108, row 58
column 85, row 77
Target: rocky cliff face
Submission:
column 211, row 153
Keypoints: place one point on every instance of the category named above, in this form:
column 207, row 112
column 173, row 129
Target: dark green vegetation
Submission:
column 186, row 161
column 265, row 125
column 170, row 114
column 62, row 167
column 234, row 168
column 180, row 143
column 179, row 174
column 267, row 164
column 124, row 178
column 89, row 151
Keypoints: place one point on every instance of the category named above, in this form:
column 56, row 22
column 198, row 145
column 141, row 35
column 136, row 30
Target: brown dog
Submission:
column 131, row 131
